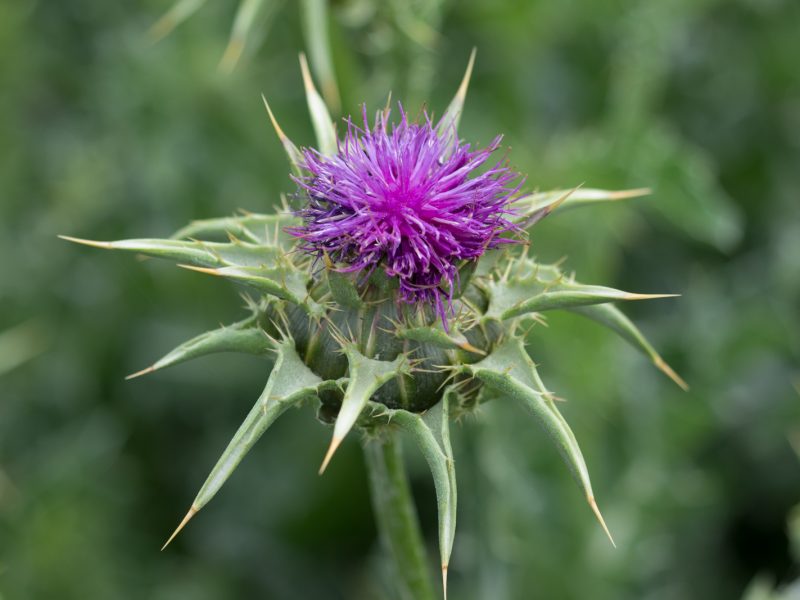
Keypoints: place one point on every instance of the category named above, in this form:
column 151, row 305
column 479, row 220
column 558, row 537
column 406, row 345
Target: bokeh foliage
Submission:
column 106, row 135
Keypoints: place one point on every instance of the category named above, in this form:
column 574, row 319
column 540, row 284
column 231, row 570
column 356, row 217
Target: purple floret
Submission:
column 407, row 200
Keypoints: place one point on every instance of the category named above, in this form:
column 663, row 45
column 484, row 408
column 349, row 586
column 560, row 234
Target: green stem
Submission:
column 396, row 517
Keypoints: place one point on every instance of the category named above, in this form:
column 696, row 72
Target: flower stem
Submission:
column 396, row 517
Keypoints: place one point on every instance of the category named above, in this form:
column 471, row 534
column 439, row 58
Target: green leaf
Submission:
column 615, row 319
column 256, row 228
column 245, row 336
column 541, row 287
column 265, row 268
column 511, row 373
column 431, row 432
column 558, row 200
column 448, row 124
column 204, row 254
column 320, row 117
column 315, row 31
column 289, row 383
column 365, row 377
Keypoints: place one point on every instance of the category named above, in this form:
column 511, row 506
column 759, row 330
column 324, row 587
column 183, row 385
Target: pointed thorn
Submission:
column 667, row 370
column 470, row 348
column 281, row 136
column 623, row 194
column 444, row 581
column 149, row 369
column 199, row 269
column 307, row 81
column 599, row 516
column 648, row 296
column 192, row 512
column 551, row 207
column 462, row 89
column 92, row 243
column 331, row 450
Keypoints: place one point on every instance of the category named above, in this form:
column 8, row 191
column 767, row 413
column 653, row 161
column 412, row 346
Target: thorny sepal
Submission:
column 615, row 319
column 265, row 268
column 251, row 227
column 292, row 152
column 245, row 337
column 203, row 254
column 536, row 288
column 431, row 432
column 511, row 373
column 289, row 383
column 320, row 116
column 543, row 203
column 365, row 377
column 314, row 14
column 448, row 124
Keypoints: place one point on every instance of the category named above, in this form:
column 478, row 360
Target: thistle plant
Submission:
column 394, row 290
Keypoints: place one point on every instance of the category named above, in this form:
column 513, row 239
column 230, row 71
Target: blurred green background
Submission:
column 104, row 134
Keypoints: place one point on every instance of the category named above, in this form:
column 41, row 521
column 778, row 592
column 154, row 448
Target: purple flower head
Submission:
column 408, row 200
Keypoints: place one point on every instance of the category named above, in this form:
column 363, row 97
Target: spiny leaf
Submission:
column 256, row 228
column 571, row 295
column 615, row 319
column 244, row 336
column 532, row 216
column 289, row 383
column 365, row 377
column 511, row 372
column 177, row 14
column 320, row 117
column 544, row 287
column 315, row 30
column 265, row 268
column 295, row 157
column 448, row 124
column 431, row 431
column 282, row 281
column 564, row 199
column 205, row 254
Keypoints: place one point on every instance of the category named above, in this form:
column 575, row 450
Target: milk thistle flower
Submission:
column 408, row 199
column 390, row 221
